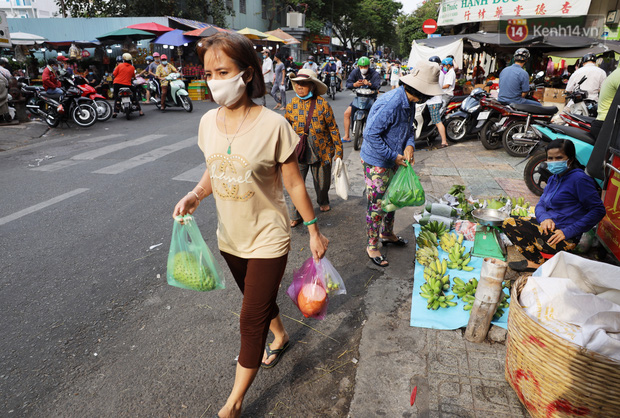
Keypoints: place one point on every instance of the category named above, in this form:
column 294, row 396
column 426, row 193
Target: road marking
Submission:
column 194, row 175
column 148, row 157
column 99, row 152
column 102, row 138
column 40, row 206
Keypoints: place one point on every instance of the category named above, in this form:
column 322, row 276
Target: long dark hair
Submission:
column 568, row 148
column 241, row 50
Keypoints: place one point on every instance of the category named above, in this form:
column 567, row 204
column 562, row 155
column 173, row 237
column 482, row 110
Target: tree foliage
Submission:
column 409, row 27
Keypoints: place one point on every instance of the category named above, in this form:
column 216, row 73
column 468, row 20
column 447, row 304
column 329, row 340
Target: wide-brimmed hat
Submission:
column 309, row 75
column 424, row 78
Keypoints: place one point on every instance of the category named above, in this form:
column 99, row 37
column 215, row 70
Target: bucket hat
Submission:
column 424, row 78
column 309, row 75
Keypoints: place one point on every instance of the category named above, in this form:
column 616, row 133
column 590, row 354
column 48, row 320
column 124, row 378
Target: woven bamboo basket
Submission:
column 554, row 377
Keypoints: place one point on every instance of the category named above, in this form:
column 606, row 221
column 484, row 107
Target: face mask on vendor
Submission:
column 557, row 167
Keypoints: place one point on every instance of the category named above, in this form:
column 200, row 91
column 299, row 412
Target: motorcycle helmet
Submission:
column 149, row 58
column 435, row 59
column 447, row 61
column 522, row 54
column 126, row 56
column 310, row 58
column 363, row 62
column 589, row 57
column 119, row 59
column 155, row 54
column 164, row 57
column 4, row 61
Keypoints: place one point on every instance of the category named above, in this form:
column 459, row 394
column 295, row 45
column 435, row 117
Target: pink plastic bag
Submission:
column 312, row 285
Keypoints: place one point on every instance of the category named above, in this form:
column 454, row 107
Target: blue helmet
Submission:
column 447, row 61
column 149, row 58
column 435, row 58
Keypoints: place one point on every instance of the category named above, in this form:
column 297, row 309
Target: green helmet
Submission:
column 363, row 62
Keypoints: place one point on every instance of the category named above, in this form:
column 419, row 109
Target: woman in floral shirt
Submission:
column 323, row 137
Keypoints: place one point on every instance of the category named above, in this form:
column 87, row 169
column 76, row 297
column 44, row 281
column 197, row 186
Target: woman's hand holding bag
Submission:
column 405, row 189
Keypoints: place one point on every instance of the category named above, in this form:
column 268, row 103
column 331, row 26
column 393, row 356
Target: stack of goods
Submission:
column 197, row 90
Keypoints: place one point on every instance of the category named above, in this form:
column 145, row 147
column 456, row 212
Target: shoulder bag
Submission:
column 300, row 150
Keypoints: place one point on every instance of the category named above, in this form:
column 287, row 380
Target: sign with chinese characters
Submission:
column 456, row 12
column 5, row 36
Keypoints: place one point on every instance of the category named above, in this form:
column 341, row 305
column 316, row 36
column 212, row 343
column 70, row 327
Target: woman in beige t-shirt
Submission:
column 250, row 154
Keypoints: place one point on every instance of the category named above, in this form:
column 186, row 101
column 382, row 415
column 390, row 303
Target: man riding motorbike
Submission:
column 514, row 81
column 152, row 69
column 123, row 74
column 594, row 77
column 328, row 68
column 362, row 76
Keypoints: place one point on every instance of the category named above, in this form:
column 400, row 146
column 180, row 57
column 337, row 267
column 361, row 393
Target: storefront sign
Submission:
column 5, row 36
column 456, row 12
column 318, row 39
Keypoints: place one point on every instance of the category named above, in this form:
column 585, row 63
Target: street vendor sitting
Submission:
column 569, row 206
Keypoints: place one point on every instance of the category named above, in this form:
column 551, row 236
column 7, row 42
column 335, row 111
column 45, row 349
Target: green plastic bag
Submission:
column 190, row 262
column 405, row 189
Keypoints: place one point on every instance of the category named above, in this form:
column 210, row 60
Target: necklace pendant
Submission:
column 228, row 150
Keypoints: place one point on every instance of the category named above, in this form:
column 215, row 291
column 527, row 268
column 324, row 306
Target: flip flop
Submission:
column 325, row 210
column 296, row 222
column 400, row 242
column 445, row 145
column 346, row 140
column 521, row 266
column 278, row 352
column 378, row 260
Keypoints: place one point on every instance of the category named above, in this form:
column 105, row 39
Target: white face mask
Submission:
column 227, row 92
column 364, row 70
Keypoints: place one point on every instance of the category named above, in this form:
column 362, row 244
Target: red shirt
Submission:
column 49, row 79
column 124, row 73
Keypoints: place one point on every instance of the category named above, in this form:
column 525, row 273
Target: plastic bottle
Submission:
column 440, row 209
column 427, row 217
column 488, row 294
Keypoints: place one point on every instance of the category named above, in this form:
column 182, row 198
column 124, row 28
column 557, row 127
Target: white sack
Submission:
column 341, row 179
column 577, row 299
column 419, row 52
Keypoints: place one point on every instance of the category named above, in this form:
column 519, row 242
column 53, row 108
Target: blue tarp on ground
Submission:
column 445, row 318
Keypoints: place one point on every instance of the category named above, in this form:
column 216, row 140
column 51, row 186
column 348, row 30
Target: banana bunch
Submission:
column 458, row 258
column 427, row 239
column 427, row 255
column 465, row 291
column 432, row 291
column 448, row 241
column 519, row 212
column 436, row 227
column 501, row 306
column 436, row 272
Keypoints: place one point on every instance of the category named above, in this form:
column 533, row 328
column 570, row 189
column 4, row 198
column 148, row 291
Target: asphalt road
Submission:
column 90, row 327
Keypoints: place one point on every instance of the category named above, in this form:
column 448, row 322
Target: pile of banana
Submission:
column 459, row 259
column 437, row 228
column 427, row 255
column 503, row 304
column 427, row 238
column 465, row 291
column 448, row 241
column 436, row 282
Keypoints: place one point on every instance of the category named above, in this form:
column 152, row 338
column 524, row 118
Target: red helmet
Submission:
column 155, row 54
column 164, row 57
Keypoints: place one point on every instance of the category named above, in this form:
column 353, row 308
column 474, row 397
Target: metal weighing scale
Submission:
column 488, row 242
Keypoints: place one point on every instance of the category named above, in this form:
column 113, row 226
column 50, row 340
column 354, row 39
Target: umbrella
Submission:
column 152, row 27
column 287, row 38
column 252, row 33
column 23, row 38
column 174, row 38
column 123, row 34
column 206, row 31
column 273, row 38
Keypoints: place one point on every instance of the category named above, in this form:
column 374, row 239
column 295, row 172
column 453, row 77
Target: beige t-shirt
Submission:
column 253, row 219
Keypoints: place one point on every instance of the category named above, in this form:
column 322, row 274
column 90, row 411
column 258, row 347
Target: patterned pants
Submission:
column 526, row 234
column 377, row 181
column 322, row 176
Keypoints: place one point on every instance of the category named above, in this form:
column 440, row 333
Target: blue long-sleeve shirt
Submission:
column 389, row 129
column 373, row 76
column 572, row 202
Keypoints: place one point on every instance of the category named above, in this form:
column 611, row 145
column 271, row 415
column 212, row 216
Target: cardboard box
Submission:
column 554, row 95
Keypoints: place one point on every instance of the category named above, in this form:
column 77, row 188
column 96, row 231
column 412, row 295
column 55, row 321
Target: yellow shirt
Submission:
column 253, row 219
column 164, row 71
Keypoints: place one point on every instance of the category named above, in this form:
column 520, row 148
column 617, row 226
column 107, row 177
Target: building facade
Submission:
column 29, row 8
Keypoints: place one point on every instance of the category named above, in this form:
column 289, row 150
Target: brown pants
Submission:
column 259, row 280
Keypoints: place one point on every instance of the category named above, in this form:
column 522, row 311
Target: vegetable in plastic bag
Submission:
column 190, row 262
column 405, row 189
column 312, row 285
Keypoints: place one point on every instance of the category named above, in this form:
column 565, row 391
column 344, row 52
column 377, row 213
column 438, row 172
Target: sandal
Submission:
column 325, row 208
column 444, row 145
column 378, row 260
column 521, row 266
column 278, row 352
column 346, row 140
column 400, row 242
column 296, row 222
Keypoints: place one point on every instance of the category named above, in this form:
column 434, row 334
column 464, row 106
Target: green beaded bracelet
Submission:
column 310, row 222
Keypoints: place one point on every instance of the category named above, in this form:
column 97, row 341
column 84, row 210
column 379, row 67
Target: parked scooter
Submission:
column 577, row 121
column 176, row 96
column 578, row 103
column 424, row 129
column 104, row 109
column 536, row 173
column 55, row 108
column 364, row 99
column 464, row 122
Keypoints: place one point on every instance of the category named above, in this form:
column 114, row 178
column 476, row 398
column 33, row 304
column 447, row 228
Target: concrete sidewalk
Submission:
column 453, row 377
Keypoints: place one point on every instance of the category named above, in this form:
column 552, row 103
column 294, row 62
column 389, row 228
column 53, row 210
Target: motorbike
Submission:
column 424, row 129
column 578, row 103
column 104, row 109
column 577, row 121
column 464, row 122
column 364, row 99
column 291, row 73
column 176, row 96
column 127, row 103
column 332, row 84
column 536, row 174
column 56, row 108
